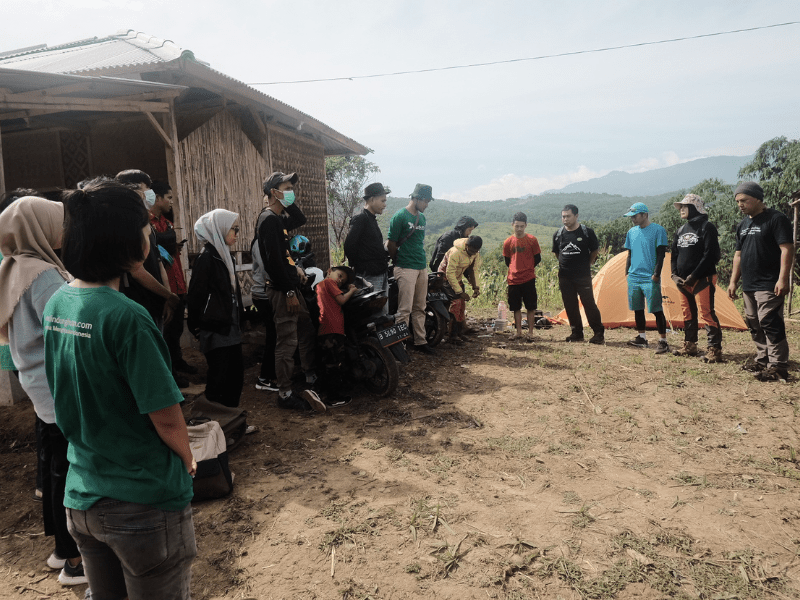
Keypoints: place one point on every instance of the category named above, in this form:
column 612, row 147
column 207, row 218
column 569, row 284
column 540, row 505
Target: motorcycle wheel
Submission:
column 384, row 381
column 435, row 327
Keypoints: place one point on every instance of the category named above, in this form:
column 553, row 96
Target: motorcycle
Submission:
column 437, row 303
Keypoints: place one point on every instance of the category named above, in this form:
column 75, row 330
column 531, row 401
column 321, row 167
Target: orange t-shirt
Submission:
column 331, row 317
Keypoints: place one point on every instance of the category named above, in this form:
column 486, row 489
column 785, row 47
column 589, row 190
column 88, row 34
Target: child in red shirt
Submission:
column 330, row 336
column 522, row 253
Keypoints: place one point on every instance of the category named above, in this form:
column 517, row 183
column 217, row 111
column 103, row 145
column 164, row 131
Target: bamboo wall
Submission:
column 221, row 168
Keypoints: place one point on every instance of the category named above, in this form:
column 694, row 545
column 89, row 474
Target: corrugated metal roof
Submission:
column 128, row 49
column 18, row 81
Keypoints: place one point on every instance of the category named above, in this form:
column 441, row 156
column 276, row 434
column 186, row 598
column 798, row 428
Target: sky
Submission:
column 489, row 132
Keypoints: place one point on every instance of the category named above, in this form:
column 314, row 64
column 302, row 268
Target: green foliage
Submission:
column 345, row 177
column 776, row 167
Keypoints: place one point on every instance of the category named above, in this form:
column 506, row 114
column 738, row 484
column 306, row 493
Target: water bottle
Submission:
column 502, row 311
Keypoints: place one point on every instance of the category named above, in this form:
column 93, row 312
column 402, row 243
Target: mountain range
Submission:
column 660, row 181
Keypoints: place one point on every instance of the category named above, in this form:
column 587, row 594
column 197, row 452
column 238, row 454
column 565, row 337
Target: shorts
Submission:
column 639, row 291
column 524, row 292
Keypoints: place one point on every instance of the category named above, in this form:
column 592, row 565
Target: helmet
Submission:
column 299, row 244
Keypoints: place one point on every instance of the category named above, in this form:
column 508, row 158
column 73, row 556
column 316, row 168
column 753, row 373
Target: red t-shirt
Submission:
column 331, row 318
column 521, row 251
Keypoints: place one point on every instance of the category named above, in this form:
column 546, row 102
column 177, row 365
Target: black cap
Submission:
column 375, row 189
column 750, row 188
column 278, row 178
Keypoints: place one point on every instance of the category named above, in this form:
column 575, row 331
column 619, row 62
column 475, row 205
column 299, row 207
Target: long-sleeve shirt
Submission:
column 363, row 245
column 695, row 249
column 457, row 264
column 273, row 242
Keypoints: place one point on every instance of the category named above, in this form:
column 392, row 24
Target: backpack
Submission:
column 557, row 237
column 233, row 421
column 213, row 478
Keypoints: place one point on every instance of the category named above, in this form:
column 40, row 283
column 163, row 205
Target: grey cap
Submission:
column 278, row 178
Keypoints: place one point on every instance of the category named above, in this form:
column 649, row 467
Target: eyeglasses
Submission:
column 235, row 230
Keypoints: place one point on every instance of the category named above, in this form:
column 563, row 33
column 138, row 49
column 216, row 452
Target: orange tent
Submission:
column 611, row 294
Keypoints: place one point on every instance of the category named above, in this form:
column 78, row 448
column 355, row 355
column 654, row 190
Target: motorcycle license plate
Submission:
column 437, row 296
column 392, row 335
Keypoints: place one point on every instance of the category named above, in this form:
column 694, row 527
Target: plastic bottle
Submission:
column 502, row 311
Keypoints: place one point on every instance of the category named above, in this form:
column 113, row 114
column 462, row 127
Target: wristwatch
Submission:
column 290, row 294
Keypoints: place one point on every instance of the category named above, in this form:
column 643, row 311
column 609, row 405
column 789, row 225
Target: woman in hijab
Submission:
column 31, row 230
column 215, row 307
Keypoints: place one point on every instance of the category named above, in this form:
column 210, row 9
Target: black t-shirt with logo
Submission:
column 574, row 249
column 759, row 240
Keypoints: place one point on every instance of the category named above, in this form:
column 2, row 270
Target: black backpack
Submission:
column 557, row 238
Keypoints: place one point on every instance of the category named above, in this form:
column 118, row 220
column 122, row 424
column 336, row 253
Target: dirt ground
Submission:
column 501, row 469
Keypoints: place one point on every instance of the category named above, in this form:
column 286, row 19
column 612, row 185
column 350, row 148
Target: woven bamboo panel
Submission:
column 75, row 157
column 291, row 153
column 221, row 169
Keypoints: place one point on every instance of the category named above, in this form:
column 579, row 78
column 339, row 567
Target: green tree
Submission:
column 776, row 167
column 345, row 177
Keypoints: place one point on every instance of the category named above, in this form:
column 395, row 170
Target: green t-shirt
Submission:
column 108, row 367
column 411, row 254
column 6, row 362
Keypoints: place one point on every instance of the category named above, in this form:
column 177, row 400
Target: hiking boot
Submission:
column 662, row 347
column 753, row 366
column 598, row 338
column 713, row 355
column 689, row 349
column 267, row 385
column 72, row 575
column 313, row 400
column 638, row 342
column 574, row 338
column 772, row 373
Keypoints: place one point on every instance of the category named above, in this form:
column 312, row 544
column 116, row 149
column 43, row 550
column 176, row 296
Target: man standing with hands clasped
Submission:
column 646, row 244
column 763, row 260
column 576, row 247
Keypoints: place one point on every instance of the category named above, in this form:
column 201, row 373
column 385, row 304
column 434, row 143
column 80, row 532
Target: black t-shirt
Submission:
column 759, row 240
column 574, row 249
column 153, row 303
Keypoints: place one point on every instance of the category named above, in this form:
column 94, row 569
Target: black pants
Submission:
column 571, row 290
column 264, row 308
column 225, row 377
column 54, row 466
column 333, row 362
column 173, row 331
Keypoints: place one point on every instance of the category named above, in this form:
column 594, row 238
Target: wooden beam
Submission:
column 24, row 114
column 160, row 130
column 175, row 176
column 12, row 101
column 54, row 91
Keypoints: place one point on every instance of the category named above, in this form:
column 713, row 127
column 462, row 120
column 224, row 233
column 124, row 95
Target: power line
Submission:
column 542, row 57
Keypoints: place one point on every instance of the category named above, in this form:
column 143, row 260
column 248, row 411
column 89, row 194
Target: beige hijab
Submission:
column 29, row 229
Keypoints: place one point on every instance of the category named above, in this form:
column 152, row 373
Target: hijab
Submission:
column 212, row 228
column 29, row 228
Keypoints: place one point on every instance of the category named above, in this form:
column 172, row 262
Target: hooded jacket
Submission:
column 210, row 297
column 695, row 249
column 445, row 241
column 457, row 264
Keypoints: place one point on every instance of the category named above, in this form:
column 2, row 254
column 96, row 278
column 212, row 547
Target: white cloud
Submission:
column 515, row 186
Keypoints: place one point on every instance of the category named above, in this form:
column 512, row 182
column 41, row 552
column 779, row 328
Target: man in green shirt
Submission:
column 406, row 236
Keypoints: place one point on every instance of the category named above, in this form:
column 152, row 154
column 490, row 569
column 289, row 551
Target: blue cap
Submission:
column 638, row 207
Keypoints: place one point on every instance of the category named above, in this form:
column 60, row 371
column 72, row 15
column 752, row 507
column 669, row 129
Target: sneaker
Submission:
column 424, row 348
column 713, row 355
column 772, row 373
column 267, row 385
column 72, row 575
column 293, row 402
column 313, row 400
column 753, row 367
column 338, row 400
column 55, row 562
column 598, row 338
column 638, row 342
column 37, row 495
column 688, row 349
column 662, row 347
column 185, row 367
column 574, row 338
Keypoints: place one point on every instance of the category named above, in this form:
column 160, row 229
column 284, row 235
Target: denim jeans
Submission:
column 135, row 550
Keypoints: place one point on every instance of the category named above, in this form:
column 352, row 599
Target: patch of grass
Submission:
column 347, row 458
column 334, row 510
column 442, row 464
column 450, row 556
column 570, row 497
column 517, row 446
column 583, row 518
column 373, row 445
column 413, row 568
column 563, row 447
column 394, row 454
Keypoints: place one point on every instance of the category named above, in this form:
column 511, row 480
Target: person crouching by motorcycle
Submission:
column 332, row 292
column 462, row 260
column 364, row 246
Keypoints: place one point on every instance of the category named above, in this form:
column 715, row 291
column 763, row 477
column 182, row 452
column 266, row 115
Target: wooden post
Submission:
column 2, row 171
column 796, row 207
column 175, row 175
column 269, row 150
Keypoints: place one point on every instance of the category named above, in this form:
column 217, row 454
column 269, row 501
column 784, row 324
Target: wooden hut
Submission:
column 131, row 100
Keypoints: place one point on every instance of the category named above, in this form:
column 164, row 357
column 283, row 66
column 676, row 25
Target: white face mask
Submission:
column 149, row 198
